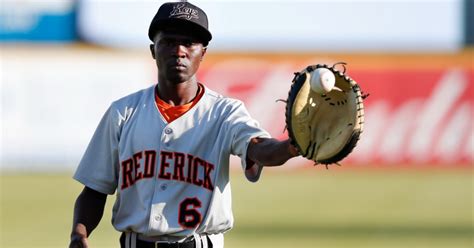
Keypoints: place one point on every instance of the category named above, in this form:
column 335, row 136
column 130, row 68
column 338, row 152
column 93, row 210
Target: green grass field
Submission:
column 307, row 208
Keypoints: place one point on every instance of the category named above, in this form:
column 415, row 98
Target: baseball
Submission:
column 322, row 80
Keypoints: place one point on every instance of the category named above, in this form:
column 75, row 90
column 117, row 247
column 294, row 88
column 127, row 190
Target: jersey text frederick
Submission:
column 173, row 166
column 171, row 178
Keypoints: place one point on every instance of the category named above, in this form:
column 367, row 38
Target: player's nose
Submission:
column 180, row 50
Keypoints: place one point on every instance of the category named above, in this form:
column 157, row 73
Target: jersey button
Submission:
column 163, row 186
column 168, row 130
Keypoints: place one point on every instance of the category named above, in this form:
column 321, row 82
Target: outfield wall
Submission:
column 419, row 112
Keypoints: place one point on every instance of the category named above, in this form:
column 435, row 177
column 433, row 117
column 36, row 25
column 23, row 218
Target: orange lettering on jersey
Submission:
column 179, row 162
column 150, row 160
column 173, row 166
column 207, row 176
column 197, row 162
column 164, row 164
column 131, row 168
column 136, row 160
column 190, row 168
column 127, row 169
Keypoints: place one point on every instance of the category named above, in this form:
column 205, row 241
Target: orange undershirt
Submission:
column 170, row 112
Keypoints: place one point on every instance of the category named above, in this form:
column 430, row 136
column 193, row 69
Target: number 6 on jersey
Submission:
column 189, row 216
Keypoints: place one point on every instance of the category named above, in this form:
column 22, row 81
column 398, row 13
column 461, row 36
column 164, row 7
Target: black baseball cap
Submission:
column 184, row 16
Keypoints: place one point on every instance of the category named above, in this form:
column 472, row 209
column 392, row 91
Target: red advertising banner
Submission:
column 414, row 115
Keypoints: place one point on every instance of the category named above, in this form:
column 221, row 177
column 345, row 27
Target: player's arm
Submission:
column 88, row 212
column 270, row 152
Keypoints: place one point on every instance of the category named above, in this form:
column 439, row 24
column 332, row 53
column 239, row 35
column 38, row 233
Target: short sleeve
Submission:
column 244, row 128
column 99, row 166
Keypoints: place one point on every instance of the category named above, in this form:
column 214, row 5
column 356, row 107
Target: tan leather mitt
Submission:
column 325, row 127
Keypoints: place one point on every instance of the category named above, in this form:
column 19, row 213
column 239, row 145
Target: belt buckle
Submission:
column 159, row 244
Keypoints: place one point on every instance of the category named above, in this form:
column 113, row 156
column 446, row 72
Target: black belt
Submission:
column 148, row 244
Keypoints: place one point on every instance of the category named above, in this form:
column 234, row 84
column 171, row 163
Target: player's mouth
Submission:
column 177, row 65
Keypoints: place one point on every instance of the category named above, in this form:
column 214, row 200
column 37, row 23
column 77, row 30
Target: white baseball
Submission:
column 322, row 80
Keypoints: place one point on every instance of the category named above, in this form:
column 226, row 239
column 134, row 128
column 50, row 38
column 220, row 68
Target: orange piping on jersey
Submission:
column 170, row 112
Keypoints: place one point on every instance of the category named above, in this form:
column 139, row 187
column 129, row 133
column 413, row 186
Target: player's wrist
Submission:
column 79, row 231
column 78, row 236
column 292, row 150
column 78, row 241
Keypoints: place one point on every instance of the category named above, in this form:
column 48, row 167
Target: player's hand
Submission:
column 78, row 242
column 292, row 149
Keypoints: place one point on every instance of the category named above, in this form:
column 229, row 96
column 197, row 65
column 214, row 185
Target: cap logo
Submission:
column 180, row 11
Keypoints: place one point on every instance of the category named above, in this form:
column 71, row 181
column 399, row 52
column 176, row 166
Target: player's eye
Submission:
column 165, row 42
column 188, row 42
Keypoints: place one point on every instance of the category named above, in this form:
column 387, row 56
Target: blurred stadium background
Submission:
column 409, row 183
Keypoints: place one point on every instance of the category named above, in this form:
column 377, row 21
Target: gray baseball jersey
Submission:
column 171, row 179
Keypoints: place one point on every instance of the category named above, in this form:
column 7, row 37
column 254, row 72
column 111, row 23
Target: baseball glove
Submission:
column 325, row 127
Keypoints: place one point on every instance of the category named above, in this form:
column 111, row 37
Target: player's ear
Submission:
column 152, row 50
column 204, row 50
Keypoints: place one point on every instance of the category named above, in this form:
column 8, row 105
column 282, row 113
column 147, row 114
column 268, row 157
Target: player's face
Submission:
column 177, row 56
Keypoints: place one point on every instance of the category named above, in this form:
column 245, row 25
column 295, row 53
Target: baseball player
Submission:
column 165, row 150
